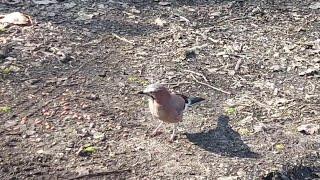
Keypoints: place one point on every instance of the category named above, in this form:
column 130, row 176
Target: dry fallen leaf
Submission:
column 279, row 147
column 83, row 16
column 309, row 72
column 244, row 132
column 315, row 5
column 15, row 18
column 13, row 2
column 160, row 22
column 44, row 2
column 309, row 128
column 164, row 3
column 69, row 5
column 246, row 120
column 215, row 14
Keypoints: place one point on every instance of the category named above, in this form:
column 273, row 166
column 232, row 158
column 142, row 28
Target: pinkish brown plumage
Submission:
column 167, row 107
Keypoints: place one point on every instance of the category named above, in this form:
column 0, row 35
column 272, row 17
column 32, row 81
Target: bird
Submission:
column 166, row 106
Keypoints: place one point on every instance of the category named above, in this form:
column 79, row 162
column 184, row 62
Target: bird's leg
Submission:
column 173, row 135
column 155, row 132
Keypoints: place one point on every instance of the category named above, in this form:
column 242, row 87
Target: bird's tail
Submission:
column 190, row 100
column 193, row 100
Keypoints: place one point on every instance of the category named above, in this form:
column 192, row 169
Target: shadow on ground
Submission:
column 222, row 140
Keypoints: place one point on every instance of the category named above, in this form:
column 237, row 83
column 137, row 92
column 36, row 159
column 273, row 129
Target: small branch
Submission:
column 122, row 38
column 183, row 19
column 196, row 73
column 236, row 68
column 215, row 88
column 176, row 83
column 213, row 40
column 261, row 104
column 13, row 133
column 198, row 47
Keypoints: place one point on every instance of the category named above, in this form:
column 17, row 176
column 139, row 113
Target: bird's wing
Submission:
column 191, row 100
column 184, row 97
column 178, row 102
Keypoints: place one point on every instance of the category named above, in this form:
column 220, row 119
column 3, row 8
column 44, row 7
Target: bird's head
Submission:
column 154, row 90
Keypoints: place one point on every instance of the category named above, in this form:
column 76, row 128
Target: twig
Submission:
column 236, row 68
column 176, row 83
column 198, row 47
column 261, row 104
column 215, row 88
column 100, row 173
column 184, row 19
column 213, row 40
column 122, row 38
column 13, row 133
column 196, row 73
column 205, row 36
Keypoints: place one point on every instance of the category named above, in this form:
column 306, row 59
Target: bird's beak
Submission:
column 147, row 94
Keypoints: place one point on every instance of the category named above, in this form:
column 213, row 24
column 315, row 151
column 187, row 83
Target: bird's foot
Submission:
column 173, row 135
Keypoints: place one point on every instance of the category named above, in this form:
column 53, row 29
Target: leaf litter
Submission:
column 243, row 57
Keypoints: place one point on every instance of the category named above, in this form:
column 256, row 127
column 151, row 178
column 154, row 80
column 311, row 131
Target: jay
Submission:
column 167, row 107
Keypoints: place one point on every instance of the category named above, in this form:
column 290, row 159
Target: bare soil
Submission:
column 68, row 83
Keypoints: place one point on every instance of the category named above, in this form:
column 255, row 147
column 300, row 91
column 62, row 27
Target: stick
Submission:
column 122, row 38
column 199, row 74
column 176, row 83
column 215, row 88
column 197, row 47
column 184, row 19
column 236, row 68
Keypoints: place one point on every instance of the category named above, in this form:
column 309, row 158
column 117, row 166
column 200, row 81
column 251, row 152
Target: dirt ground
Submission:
column 68, row 84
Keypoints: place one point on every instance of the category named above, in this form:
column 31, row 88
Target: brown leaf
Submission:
column 16, row 18
column 309, row 128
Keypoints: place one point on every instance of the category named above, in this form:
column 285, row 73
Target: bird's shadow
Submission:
column 222, row 140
